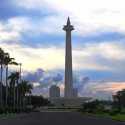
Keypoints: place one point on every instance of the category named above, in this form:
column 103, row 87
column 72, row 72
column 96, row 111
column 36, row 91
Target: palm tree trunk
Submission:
column 17, row 95
column 23, row 99
column 7, row 86
column 14, row 97
column 1, row 92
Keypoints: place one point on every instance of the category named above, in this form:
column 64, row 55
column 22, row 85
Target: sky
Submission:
column 31, row 31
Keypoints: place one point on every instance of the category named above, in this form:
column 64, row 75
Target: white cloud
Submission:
column 102, row 89
column 36, row 84
column 88, row 16
column 9, row 36
column 100, row 56
column 111, row 50
column 33, row 58
column 12, row 29
column 110, row 86
column 89, row 56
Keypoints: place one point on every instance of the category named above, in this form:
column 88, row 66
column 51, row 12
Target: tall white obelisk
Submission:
column 68, row 61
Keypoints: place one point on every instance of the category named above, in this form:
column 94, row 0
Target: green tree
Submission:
column 14, row 77
column 24, row 89
column 1, row 75
column 8, row 61
column 119, row 99
column 93, row 107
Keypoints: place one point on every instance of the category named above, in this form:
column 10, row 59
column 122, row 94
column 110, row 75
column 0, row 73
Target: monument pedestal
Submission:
column 69, row 102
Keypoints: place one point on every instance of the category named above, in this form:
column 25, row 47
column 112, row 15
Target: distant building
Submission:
column 54, row 91
column 75, row 92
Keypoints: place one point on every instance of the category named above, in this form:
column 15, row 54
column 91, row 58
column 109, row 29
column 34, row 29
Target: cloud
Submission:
column 21, row 28
column 102, row 89
column 12, row 29
column 88, row 18
column 33, row 58
column 86, row 87
column 88, row 56
column 110, row 86
column 35, row 84
column 97, row 56
column 95, row 90
column 58, row 78
column 34, row 77
column 43, row 80
column 100, row 26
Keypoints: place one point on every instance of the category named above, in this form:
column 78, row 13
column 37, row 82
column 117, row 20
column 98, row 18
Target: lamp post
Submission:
column 20, row 64
column 20, row 71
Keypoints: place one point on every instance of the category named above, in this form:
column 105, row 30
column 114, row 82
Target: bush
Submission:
column 114, row 112
column 93, row 107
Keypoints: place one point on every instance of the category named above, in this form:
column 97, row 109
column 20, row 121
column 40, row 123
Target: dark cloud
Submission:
column 85, row 80
column 36, row 76
column 50, row 79
column 80, row 81
column 104, row 36
column 83, row 83
column 45, row 79
column 58, row 78
column 10, row 9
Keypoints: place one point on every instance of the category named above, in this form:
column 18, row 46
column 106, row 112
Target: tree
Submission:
column 14, row 77
column 94, row 106
column 24, row 88
column 8, row 61
column 38, row 101
column 119, row 99
column 10, row 93
column 1, row 75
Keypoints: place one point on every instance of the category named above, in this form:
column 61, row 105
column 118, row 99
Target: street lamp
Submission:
column 20, row 64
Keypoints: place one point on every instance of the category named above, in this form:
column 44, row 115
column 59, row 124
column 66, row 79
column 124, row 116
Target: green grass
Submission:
column 7, row 115
column 119, row 117
column 105, row 115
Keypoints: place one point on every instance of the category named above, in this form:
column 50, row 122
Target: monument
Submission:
column 70, row 93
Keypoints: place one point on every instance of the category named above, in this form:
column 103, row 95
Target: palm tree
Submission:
column 14, row 77
column 8, row 61
column 1, row 75
column 24, row 88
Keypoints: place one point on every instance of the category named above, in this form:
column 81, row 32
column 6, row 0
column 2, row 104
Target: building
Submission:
column 54, row 92
column 75, row 92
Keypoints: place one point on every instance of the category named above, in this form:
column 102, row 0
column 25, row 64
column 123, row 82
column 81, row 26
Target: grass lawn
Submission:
column 7, row 115
column 117, row 117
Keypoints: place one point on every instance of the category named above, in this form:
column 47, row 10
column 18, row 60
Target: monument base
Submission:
column 69, row 102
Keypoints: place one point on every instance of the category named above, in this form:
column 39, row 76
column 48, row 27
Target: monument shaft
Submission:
column 68, row 61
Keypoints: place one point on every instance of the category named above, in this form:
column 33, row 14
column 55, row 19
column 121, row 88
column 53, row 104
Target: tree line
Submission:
column 107, row 107
column 13, row 89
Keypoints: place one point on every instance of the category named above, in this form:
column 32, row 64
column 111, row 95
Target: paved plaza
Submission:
column 57, row 118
